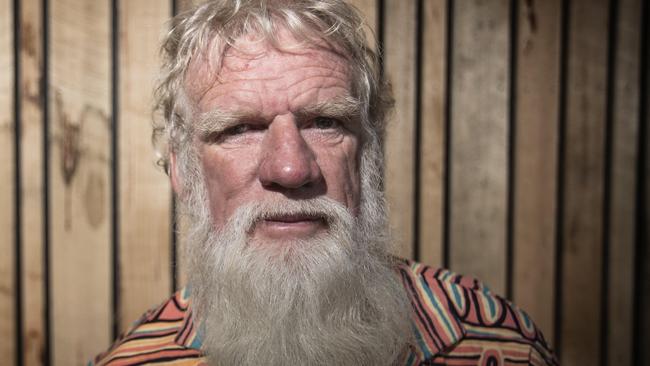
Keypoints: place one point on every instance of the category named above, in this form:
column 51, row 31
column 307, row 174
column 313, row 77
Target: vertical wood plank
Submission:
column 536, row 118
column 144, row 189
column 623, row 184
column 583, row 182
column 432, row 129
column 479, row 140
column 400, row 63
column 31, row 106
column 7, row 174
column 80, row 161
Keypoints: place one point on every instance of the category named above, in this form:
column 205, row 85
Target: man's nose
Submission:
column 287, row 159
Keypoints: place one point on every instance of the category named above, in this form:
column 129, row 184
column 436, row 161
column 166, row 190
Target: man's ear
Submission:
column 176, row 179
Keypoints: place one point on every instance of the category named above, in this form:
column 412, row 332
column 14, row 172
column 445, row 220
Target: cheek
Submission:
column 344, row 179
column 226, row 174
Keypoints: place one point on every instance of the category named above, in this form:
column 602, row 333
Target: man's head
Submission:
column 273, row 117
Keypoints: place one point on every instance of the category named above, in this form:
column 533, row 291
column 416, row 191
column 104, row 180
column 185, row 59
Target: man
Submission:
column 273, row 123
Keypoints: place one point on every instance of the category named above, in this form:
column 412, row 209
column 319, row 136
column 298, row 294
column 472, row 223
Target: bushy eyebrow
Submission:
column 346, row 108
column 217, row 121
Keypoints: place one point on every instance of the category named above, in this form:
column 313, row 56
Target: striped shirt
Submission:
column 456, row 321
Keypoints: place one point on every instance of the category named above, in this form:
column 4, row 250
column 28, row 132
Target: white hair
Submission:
column 334, row 299
column 212, row 28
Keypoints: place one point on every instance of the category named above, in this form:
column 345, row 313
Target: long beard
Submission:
column 330, row 300
column 333, row 299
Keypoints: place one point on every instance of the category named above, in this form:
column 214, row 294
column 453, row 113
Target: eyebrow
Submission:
column 345, row 108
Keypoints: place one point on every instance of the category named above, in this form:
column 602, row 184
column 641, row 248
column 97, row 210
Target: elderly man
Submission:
column 272, row 136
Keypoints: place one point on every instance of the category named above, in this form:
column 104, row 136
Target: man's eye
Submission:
column 237, row 130
column 325, row 123
column 230, row 132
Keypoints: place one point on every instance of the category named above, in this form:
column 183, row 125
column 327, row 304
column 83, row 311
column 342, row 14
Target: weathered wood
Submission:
column 80, row 184
column 623, row 184
column 144, row 189
column 7, row 176
column 400, row 63
column 479, row 140
column 535, row 152
column 432, row 131
column 31, row 145
column 583, row 182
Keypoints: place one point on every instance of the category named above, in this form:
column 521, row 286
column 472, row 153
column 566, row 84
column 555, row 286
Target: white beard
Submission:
column 334, row 299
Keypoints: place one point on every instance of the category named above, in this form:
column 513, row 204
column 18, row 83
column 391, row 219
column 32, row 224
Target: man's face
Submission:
column 274, row 125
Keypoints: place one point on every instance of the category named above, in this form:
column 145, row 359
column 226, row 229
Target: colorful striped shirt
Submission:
column 456, row 321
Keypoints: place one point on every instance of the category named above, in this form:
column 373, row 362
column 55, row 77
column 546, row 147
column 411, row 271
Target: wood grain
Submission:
column 80, row 181
column 479, row 141
column 400, row 63
column 623, row 184
column 432, row 131
column 535, row 152
column 144, row 188
column 7, row 174
column 31, row 145
column 583, row 182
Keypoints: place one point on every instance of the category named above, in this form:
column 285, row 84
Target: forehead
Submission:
column 253, row 74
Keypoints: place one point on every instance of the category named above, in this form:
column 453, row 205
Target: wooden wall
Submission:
column 518, row 153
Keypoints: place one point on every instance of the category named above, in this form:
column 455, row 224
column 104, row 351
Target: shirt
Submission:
column 456, row 321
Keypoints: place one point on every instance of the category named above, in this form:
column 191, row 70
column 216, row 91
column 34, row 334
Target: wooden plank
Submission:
column 535, row 151
column 432, row 131
column 583, row 182
column 144, row 189
column 31, row 106
column 80, row 184
column 623, row 185
column 400, row 63
column 479, row 140
column 7, row 174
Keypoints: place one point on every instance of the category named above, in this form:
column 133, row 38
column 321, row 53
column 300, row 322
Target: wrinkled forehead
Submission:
column 221, row 63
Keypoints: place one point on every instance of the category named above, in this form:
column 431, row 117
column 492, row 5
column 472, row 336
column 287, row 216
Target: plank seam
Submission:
column 607, row 178
column 417, row 153
column 559, row 206
column 115, row 166
column 638, row 333
column 18, row 282
column 45, row 82
column 512, row 157
column 173, row 219
column 446, row 244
